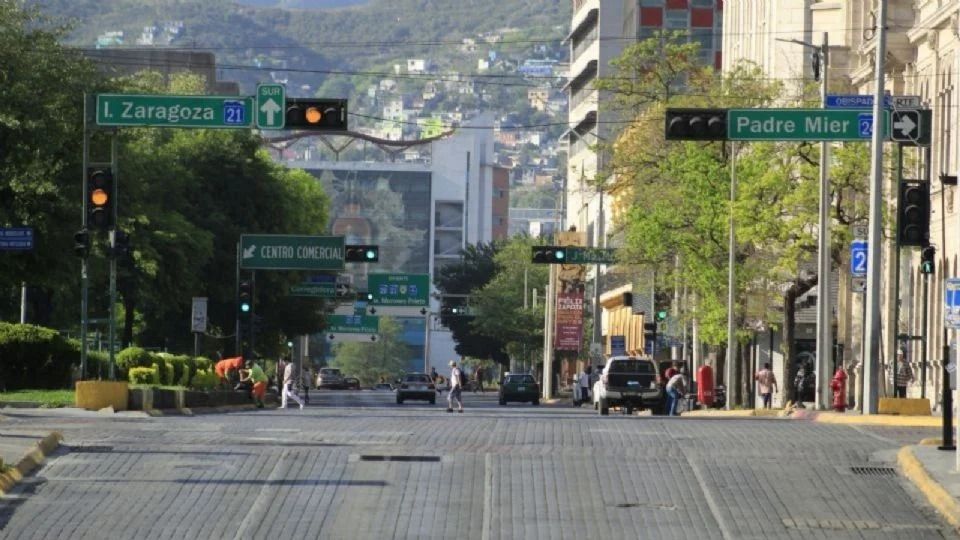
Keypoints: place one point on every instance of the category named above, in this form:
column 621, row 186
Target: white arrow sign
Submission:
column 905, row 125
column 271, row 108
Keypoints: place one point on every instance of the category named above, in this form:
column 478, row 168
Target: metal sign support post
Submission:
column 875, row 237
column 731, row 288
column 824, row 311
column 895, row 326
column 236, row 298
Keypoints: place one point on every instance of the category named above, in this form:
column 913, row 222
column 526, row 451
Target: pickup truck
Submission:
column 629, row 383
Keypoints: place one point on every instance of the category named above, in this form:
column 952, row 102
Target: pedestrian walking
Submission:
column 290, row 374
column 903, row 377
column 799, row 382
column 584, row 384
column 767, row 382
column 478, row 375
column 456, row 388
column 676, row 388
column 255, row 374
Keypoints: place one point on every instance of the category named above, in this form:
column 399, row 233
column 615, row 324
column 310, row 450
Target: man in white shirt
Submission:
column 584, row 384
column 456, row 387
column 676, row 387
column 290, row 374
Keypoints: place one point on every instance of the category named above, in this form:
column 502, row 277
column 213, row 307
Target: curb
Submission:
column 738, row 413
column 872, row 420
column 204, row 410
column 946, row 505
column 30, row 461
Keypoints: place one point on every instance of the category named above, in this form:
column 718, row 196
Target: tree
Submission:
column 499, row 311
column 41, row 102
column 385, row 359
column 475, row 269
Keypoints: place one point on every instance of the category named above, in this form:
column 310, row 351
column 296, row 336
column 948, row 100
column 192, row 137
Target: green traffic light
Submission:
column 662, row 315
column 371, row 254
column 245, row 307
column 559, row 255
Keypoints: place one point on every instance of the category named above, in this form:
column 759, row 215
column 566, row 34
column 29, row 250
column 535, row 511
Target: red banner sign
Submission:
column 569, row 329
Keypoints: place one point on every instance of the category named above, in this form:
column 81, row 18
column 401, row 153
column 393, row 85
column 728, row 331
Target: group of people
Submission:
column 237, row 370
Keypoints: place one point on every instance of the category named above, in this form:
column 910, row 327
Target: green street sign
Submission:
column 803, row 124
column 291, row 252
column 174, row 111
column 314, row 290
column 353, row 324
column 590, row 255
column 271, row 105
column 399, row 289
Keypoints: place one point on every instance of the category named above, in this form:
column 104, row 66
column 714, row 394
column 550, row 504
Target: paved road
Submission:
column 357, row 466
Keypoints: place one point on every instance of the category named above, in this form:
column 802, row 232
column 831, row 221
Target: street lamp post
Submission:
column 824, row 311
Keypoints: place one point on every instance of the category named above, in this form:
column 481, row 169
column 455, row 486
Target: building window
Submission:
column 677, row 18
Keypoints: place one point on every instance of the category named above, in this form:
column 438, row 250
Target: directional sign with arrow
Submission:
column 271, row 100
column 906, row 126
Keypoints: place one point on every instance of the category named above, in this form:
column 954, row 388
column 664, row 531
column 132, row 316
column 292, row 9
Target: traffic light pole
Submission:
column 824, row 311
column 946, row 394
column 895, row 324
column 112, row 328
column 236, row 310
column 84, row 281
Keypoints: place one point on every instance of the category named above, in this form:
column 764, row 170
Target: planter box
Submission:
column 95, row 395
column 142, row 399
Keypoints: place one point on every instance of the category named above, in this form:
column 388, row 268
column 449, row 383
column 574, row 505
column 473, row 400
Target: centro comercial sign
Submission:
column 291, row 252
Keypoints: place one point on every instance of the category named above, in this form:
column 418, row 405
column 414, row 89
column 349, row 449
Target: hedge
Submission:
column 35, row 357
column 144, row 375
column 205, row 380
column 132, row 357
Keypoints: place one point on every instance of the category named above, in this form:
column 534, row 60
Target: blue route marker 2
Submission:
column 865, row 121
column 858, row 258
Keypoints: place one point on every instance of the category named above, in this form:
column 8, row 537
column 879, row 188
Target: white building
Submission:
column 421, row 215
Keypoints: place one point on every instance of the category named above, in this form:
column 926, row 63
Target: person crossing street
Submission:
column 456, row 388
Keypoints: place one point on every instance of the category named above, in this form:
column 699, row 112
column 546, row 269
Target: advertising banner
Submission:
column 569, row 330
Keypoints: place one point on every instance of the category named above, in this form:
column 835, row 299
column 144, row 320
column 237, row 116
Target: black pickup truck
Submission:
column 629, row 383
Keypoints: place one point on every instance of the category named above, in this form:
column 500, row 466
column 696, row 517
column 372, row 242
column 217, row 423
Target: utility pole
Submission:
column 872, row 366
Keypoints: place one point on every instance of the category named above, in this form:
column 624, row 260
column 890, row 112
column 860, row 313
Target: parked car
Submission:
column 416, row 386
column 519, row 387
column 330, row 379
column 630, row 383
column 351, row 383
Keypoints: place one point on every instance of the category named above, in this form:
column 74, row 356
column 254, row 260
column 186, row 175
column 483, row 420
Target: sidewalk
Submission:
column 934, row 473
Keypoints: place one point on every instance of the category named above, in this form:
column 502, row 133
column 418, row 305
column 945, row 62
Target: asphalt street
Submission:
column 356, row 465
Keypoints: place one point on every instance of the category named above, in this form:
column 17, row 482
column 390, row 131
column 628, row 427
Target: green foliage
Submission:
column 132, row 357
column 144, row 375
column 388, row 357
column 477, row 267
column 35, row 357
column 98, row 364
column 46, row 399
column 499, row 305
column 205, row 379
column 201, row 362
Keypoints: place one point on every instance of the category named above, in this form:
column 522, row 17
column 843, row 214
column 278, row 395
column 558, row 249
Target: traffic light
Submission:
column 365, row 296
column 121, row 245
column 696, row 125
column 245, row 300
column 927, row 258
column 81, row 243
column 649, row 332
column 100, row 198
column 627, row 299
column 361, row 253
column 914, row 214
column 661, row 315
column 549, row 254
column 316, row 114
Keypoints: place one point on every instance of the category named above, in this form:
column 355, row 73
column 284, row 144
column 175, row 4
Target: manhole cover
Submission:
column 874, row 471
column 369, row 457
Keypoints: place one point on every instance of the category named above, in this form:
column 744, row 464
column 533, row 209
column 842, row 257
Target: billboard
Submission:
column 569, row 321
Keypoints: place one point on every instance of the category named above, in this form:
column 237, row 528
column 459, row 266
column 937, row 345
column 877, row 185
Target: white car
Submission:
column 629, row 383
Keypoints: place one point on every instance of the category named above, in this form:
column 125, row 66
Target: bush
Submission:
column 183, row 368
column 202, row 362
column 35, row 357
column 144, row 375
column 168, row 372
column 205, row 379
column 98, row 365
column 132, row 357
